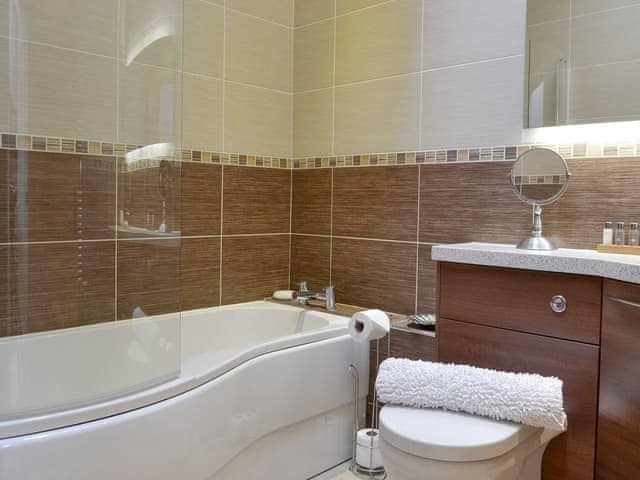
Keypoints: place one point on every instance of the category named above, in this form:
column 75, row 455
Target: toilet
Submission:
column 417, row 444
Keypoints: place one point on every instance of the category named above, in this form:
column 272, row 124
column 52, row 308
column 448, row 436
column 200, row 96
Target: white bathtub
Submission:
column 264, row 392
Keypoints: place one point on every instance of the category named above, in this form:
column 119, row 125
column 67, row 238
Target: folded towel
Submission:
column 518, row 397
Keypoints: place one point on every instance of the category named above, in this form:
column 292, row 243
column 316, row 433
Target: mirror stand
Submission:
column 536, row 241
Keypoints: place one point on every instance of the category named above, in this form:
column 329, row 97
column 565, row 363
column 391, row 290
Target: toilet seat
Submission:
column 449, row 436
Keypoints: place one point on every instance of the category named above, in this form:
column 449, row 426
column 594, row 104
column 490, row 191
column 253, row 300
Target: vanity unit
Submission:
column 574, row 314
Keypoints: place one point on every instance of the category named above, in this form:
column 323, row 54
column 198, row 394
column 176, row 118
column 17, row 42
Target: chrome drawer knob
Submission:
column 558, row 304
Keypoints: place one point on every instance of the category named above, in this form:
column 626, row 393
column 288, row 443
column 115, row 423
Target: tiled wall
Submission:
column 396, row 76
column 370, row 230
column 64, row 264
column 593, row 36
column 238, row 80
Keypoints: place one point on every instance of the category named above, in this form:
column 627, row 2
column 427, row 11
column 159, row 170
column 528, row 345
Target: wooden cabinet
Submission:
column 619, row 410
column 502, row 318
column 520, row 300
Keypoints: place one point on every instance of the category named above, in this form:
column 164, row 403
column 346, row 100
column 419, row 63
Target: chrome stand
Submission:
column 358, row 470
column 536, row 241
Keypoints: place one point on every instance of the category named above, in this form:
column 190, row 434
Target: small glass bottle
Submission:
column 607, row 233
column 633, row 234
column 619, row 235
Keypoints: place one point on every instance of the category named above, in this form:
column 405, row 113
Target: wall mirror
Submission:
column 539, row 177
column 583, row 62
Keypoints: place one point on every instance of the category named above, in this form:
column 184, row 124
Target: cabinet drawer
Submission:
column 619, row 408
column 521, row 300
column 570, row 456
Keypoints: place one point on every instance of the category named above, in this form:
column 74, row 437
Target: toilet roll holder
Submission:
column 362, row 471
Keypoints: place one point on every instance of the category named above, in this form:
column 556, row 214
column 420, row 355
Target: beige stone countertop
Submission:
column 625, row 268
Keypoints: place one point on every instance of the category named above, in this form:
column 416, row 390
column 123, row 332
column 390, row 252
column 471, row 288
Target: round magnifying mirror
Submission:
column 539, row 177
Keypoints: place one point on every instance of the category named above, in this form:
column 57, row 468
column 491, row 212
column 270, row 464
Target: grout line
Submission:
column 224, row 72
column 290, row 221
column 115, row 247
column 420, row 112
column 478, row 62
column 581, row 15
column 221, row 232
column 369, row 239
column 333, row 82
column 59, row 47
column 245, row 235
column 331, row 234
column 269, row 89
column 56, row 242
column 346, row 14
column 418, row 240
column 240, row 12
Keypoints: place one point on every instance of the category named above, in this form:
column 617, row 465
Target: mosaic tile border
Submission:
column 38, row 143
column 466, row 155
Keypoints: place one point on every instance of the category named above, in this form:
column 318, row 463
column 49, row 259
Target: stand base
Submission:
column 368, row 473
column 537, row 243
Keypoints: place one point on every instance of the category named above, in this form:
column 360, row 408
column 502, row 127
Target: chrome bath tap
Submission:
column 328, row 297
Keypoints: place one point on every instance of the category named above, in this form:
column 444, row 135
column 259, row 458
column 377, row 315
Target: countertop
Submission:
column 625, row 268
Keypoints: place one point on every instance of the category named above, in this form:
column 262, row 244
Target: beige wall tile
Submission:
column 313, row 47
column 312, row 123
column 605, row 37
column 202, row 112
column 539, row 11
column 463, row 31
column 345, row 6
column 150, row 32
column 149, row 105
column 308, row 11
column 203, row 38
column 59, row 92
column 596, row 93
column 581, row 7
column 258, row 52
column 257, row 121
column 378, row 42
column 279, row 11
column 549, row 43
column 378, row 116
column 87, row 25
column 474, row 105
column 4, row 85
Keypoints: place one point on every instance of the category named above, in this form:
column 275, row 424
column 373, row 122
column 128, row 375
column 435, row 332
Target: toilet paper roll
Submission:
column 367, row 450
column 369, row 325
column 285, row 295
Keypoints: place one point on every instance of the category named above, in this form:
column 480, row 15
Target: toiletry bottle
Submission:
column 619, row 235
column 607, row 233
column 633, row 234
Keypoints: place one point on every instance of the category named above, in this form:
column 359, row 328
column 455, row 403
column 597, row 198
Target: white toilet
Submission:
column 420, row 444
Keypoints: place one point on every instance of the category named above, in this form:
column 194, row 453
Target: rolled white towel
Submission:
column 518, row 397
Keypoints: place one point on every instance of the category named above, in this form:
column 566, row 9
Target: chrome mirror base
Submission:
column 537, row 243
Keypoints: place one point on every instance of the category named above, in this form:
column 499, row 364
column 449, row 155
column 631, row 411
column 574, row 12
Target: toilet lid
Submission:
column 449, row 436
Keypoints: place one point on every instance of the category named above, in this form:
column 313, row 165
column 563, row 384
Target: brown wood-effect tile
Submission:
column 55, row 196
column 201, row 199
column 4, row 291
column 471, row 202
column 602, row 189
column 379, row 202
column 310, row 261
column 4, row 196
column 200, row 273
column 375, row 274
column 427, row 280
column 254, row 267
column 141, row 193
column 61, row 285
column 312, row 201
column 148, row 276
column 256, row 200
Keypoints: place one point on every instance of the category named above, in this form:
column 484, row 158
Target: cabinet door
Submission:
column 619, row 409
column 570, row 456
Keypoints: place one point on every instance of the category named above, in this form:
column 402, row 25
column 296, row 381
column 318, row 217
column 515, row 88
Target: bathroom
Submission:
column 167, row 166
